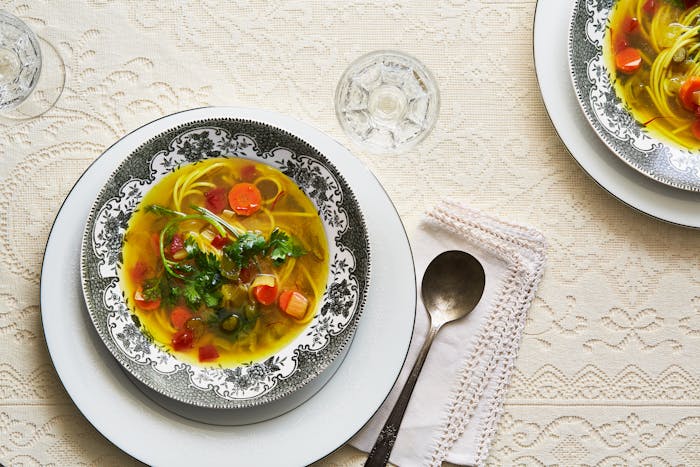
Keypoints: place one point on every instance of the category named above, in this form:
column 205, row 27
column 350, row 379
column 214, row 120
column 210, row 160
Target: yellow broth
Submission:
column 666, row 38
column 284, row 206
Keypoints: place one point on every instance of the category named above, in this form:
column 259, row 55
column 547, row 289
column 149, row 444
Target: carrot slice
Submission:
column 690, row 86
column 265, row 294
column 245, row 199
column 179, row 316
column 143, row 303
column 628, row 60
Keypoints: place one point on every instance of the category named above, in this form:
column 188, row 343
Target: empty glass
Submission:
column 387, row 101
column 25, row 91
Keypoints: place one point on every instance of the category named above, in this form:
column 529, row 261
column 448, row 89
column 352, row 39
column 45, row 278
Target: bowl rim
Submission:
column 347, row 332
column 653, row 161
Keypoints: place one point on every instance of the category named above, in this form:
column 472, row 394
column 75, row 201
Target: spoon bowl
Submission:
column 452, row 286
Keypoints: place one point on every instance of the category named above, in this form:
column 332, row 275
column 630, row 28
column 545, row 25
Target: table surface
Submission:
column 608, row 369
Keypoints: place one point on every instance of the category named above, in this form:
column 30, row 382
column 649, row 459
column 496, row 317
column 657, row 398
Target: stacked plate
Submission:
column 296, row 404
column 641, row 170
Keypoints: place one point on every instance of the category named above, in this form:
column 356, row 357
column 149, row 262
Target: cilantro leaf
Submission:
column 281, row 246
column 151, row 289
column 200, row 278
column 244, row 248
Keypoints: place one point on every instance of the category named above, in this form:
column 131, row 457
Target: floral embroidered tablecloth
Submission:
column 608, row 370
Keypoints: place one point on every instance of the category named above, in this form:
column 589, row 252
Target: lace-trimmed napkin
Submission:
column 458, row 399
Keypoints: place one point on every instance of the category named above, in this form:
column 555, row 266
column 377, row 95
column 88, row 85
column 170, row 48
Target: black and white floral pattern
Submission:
column 256, row 382
column 608, row 115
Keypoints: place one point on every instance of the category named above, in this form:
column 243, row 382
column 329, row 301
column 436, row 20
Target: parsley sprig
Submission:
column 197, row 278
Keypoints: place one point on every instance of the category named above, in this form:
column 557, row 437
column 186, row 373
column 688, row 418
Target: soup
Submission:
column 653, row 52
column 224, row 262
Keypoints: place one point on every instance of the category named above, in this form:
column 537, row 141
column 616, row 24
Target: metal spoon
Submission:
column 452, row 286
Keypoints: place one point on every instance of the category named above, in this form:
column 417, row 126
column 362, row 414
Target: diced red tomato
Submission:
column 628, row 60
column 650, row 6
column 245, row 199
column 246, row 274
column 143, row 303
column 179, row 316
column 620, row 43
column 138, row 271
column 630, row 24
column 686, row 94
column 690, row 3
column 207, row 353
column 182, row 339
column 216, row 200
column 220, row 241
column 176, row 244
column 265, row 294
column 249, row 173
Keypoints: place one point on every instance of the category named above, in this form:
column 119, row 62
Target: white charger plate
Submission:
column 550, row 39
column 156, row 435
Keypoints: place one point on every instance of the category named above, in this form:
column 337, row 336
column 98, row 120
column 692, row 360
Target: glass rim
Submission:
column 427, row 76
column 34, row 39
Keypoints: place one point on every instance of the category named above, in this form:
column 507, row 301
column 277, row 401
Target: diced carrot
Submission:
column 628, row 60
column 283, row 301
column 688, row 89
column 179, row 316
column 143, row 303
column 297, row 305
column 245, row 199
column 207, row 353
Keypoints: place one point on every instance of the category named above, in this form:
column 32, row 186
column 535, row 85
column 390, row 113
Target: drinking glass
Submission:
column 26, row 92
column 387, row 101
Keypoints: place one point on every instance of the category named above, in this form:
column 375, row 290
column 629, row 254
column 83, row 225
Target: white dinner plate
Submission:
column 550, row 38
column 155, row 435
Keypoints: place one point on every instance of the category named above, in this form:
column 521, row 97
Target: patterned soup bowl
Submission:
column 269, row 378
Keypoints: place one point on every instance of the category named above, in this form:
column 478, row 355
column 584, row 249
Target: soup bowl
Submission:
column 632, row 140
column 269, row 377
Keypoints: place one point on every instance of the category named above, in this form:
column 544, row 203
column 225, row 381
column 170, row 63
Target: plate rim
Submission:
column 198, row 432
column 642, row 194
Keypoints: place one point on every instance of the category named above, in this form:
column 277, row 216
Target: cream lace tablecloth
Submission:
column 608, row 369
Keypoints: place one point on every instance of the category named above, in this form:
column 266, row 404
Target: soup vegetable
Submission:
column 224, row 261
column 653, row 50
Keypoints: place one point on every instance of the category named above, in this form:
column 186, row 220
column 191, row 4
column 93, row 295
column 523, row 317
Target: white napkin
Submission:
column 458, row 399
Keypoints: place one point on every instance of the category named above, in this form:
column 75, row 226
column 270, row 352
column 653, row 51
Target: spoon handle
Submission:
column 379, row 456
